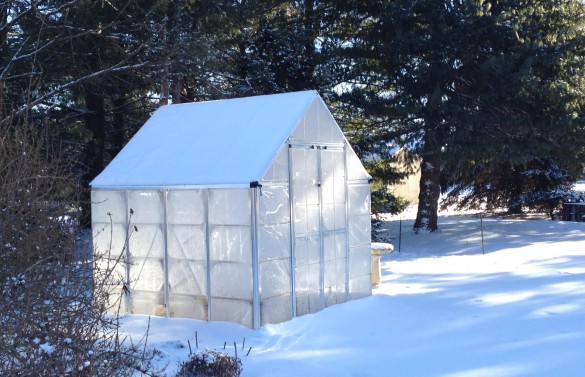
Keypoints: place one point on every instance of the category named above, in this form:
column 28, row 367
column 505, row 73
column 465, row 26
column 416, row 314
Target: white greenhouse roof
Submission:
column 215, row 143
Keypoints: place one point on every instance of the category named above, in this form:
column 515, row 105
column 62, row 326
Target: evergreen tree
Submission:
column 530, row 145
column 458, row 81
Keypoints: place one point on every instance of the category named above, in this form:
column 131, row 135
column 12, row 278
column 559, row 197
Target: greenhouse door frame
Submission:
column 319, row 149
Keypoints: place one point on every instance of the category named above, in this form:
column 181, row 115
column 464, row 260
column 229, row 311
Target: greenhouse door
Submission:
column 319, row 225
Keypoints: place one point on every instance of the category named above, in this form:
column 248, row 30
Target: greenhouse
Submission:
column 252, row 210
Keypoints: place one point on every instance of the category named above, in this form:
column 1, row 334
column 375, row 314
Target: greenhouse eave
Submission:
column 172, row 187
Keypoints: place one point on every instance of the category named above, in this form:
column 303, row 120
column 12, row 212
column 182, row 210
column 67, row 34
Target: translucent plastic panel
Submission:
column 186, row 242
column 330, row 274
column 276, row 310
column 334, row 216
column 305, row 176
column 333, row 295
column 307, row 251
column 110, row 271
column 231, row 280
column 334, row 246
column 333, row 190
column 109, row 238
column 229, row 206
column 275, row 278
column 184, row 306
column 150, row 303
column 342, row 293
column 232, row 311
column 147, row 274
column 359, row 199
column 148, row 241
column 306, row 191
column 274, row 206
column 231, row 243
column 188, row 277
column 185, row 207
column 307, row 130
column 274, row 242
column 360, row 286
column 108, row 206
column 302, row 301
column 341, row 271
column 328, row 216
column 307, row 278
column 360, row 261
column 147, row 207
column 329, row 131
column 332, row 164
column 355, row 169
column 308, row 303
column 306, row 219
column 359, row 230
column 335, row 278
column 278, row 171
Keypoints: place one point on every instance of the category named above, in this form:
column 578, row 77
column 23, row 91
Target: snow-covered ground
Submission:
column 444, row 308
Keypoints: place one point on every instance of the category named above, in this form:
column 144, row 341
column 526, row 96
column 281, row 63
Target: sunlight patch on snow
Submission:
column 315, row 354
column 506, row 298
column 555, row 310
column 405, row 289
column 509, row 370
column 574, row 287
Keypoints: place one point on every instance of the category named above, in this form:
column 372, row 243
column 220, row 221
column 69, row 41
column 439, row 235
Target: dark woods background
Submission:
column 485, row 97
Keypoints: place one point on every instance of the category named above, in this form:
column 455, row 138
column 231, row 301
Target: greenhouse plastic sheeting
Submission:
column 230, row 256
column 274, row 254
column 359, row 236
column 250, row 210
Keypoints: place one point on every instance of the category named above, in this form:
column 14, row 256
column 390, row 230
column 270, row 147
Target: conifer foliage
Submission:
column 476, row 88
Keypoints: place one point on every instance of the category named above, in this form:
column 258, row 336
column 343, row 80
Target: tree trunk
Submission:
column 3, row 56
column 177, row 95
column 95, row 122
column 428, row 198
column 119, row 125
column 515, row 202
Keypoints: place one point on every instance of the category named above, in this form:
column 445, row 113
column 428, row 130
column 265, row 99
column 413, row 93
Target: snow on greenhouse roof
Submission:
column 215, row 143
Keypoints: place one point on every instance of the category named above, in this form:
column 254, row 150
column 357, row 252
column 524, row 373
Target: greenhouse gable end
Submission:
column 252, row 210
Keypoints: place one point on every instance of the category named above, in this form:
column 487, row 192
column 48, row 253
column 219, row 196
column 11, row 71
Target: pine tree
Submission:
column 530, row 145
column 467, row 81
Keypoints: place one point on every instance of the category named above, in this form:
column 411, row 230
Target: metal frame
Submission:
column 166, row 253
column 347, row 254
column 255, row 263
column 318, row 148
column 321, row 232
column 293, row 261
column 207, row 251
column 129, row 302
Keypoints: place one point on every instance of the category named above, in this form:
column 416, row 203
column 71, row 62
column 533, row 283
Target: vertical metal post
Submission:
column 292, row 232
column 127, row 256
column 321, row 235
column 347, row 255
column 166, row 254
column 400, row 234
column 205, row 198
column 481, row 226
column 255, row 261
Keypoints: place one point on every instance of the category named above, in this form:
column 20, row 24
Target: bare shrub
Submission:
column 52, row 309
column 210, row 363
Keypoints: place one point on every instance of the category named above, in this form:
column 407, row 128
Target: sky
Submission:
column 448, row 306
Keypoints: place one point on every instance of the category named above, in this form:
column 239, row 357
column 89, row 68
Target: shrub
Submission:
column 210, row 363
column 53, row 319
